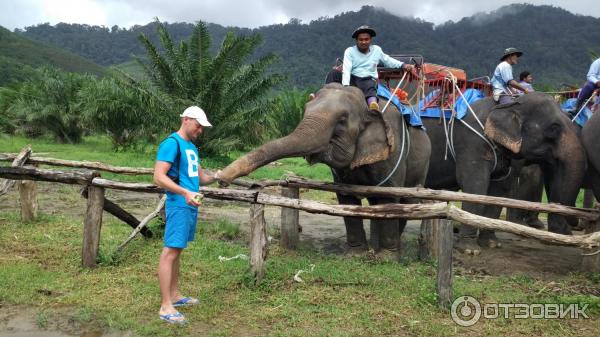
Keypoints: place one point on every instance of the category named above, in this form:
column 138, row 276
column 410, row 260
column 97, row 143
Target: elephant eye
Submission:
column 340, row 126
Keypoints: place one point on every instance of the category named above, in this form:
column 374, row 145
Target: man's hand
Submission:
column 193, row 199
column 217, row 174
column 408, row 67
column 411, row 69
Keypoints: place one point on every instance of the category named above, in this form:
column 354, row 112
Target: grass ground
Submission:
column 40, row 267
column 341, row 297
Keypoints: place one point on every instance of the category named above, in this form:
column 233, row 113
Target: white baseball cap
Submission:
column 196, row 113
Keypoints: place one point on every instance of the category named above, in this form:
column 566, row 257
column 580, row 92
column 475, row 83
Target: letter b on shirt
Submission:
column 192, row 160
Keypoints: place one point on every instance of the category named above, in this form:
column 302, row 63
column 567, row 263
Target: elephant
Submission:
column 361, row 147
column 532, row 129
column 530, row 183
column 589, row 134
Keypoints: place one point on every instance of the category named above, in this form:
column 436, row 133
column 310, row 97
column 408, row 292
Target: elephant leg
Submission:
column 487, row 238
column 529, row 186
column 385, row 233
column 556, row 223
column 473, row 179
column 594, row 178
column 355, row 232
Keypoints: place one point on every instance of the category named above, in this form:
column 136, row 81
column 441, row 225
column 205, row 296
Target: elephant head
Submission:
column 534, row 128
column 337, row 129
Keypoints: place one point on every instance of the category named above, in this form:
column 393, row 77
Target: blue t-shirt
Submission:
column 187, row 166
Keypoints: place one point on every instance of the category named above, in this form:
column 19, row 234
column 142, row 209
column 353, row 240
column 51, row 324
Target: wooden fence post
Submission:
column 591, row 263
column 445, row 237
column 289, row 220
column 428, row 241
column 92, row 226
column 258, row 241
column 19, row 161
column 28, row 200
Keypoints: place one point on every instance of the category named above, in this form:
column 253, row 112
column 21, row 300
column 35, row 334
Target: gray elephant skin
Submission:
column 532, row 129
column 530, row 184
column 590, row 134
column 339, row 131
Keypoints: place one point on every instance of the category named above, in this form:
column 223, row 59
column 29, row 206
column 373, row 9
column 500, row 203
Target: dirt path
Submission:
column 518, row 256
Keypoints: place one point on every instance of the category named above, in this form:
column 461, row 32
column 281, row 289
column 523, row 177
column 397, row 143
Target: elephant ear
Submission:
column 375, row 142
column 503, row 126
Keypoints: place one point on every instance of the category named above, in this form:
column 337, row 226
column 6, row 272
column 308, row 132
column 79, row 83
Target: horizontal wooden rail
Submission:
column 80, row 177
column 425, row 193
column 83, row 177
column 387, row 211
column 92, row 165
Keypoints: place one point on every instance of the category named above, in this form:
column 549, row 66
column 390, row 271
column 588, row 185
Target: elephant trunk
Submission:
column 564, row 179
column 311, row 136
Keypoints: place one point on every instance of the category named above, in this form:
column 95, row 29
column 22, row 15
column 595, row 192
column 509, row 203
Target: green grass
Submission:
column 341, row 297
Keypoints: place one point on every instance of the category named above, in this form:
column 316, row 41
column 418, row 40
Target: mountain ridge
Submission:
column 555, row 42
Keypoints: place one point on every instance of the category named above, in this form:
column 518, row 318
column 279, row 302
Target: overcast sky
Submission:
column 244, row 13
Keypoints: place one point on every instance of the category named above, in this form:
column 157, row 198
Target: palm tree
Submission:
column 233, row 91
column 48, row 103
column 128, row 111
column 289, row 110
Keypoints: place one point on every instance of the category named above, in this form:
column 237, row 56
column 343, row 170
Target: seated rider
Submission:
column 360, row 65
column 502, row 80
column 525, row 80
column 592, row 84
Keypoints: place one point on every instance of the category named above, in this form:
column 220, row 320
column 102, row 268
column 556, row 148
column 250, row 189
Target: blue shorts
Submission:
column 181, row 226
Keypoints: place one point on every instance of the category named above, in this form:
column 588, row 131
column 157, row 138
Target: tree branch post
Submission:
column 290, row 219
column 445, row 237
column 28, row 200
column 590, row 261
column 92, row 226
column 19, row 161
column 258, row 242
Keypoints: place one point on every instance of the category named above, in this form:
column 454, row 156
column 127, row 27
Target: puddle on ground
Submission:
column 22, row 321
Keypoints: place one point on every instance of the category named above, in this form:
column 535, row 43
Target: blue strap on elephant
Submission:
column 407, row 111
column 471, row 95
column 569, row 107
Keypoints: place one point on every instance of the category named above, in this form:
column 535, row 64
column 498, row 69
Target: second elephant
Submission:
column 532, row 129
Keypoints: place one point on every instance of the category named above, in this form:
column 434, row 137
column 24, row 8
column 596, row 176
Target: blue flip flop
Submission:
column 170, row 318
column 186, row 301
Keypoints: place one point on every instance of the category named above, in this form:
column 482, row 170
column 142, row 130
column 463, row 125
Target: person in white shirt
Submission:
column 360, row 64
column 502, row 80
column 592, row 84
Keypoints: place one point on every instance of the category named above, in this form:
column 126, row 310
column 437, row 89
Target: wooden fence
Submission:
column 436, row 231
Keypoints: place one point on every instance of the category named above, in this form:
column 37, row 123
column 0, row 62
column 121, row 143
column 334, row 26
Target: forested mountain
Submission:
column 556, row 42
column 19, row 55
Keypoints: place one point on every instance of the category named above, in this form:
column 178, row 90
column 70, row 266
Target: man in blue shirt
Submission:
column 592, row 84
column 178, row 171
column 360, row 64
column 502, row 80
